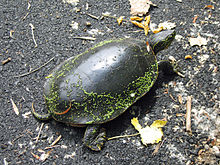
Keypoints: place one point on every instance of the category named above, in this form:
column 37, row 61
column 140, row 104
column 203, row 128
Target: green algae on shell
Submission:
column 102, row 82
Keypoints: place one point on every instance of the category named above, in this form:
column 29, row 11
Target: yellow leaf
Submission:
column 152, row 134
column 120, row 19
column 136, row 123
column 140, row 25
column 136, row 18
column 158, row 124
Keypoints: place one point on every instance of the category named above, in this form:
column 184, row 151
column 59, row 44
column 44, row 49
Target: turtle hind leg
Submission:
column 94, row 137
column 41, row 117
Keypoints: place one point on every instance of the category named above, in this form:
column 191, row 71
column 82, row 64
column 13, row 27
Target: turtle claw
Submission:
column 170, row 66
column 95, row 137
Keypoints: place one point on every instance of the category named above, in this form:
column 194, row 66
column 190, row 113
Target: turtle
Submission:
column 101, row 83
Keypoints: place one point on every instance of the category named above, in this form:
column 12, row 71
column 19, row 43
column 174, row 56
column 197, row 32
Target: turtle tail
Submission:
column 41, row 117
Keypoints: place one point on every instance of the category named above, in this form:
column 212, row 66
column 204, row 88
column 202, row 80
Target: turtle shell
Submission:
column 100, row 84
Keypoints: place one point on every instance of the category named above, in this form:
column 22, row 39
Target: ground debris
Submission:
column 197, row 41
column 85, row 38
column 25, row 74
column 140, row 7
column 15, row 108
column 188, row 114
column 6, row 61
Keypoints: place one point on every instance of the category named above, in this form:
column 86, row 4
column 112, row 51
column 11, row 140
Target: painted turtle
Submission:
column 100, row 84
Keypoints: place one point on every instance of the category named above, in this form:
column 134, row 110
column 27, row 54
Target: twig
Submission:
column 85, row 38
column 25, row 74
column 92, row 16
column 32, row 32
column 11, row 34
column 55, row 141
column 122, row 136
column 25, row 16
column 38, row 136
column 188, row 113
column 158, row 147
column 6, row 61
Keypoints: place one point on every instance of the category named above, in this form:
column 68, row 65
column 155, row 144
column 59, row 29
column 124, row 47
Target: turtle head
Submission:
column 161, row 40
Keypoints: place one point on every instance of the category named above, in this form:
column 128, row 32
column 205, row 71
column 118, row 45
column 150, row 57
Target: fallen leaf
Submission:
column 15, row 108
column 44, row 156
column 209, row 7
column 180, row 99
column 136, row 18
column 26, row 115
column 146, row 24
column 140, row 25
column 195, row 18
column 167, row 25
column 149, row 134
column 120, row 19
column 157, row 30
column 36, row 156
column 197, row 41
column 140, row 7
column 188, row 57
column 163, row 26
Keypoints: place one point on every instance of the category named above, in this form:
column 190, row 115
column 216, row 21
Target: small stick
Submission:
column 85, row 38
column 92, row 16
column 32, row 32
column 25, row 74
column 41, row 127
column 6, row 61
column 188, row 113
column 55, row 142
column 158, row 147
column 122, row 136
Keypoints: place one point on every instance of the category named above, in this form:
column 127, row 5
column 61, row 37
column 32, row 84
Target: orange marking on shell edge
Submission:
column 64, row 112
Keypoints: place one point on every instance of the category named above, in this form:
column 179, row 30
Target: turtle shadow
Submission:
column 139, row 109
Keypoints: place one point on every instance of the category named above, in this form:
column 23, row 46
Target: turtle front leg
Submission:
column 170, row 67
column 94, row 137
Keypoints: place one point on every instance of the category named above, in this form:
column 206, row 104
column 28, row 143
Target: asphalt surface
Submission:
column 55, row 27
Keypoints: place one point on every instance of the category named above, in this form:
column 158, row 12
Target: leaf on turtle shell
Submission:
column 140, row 7
column 150, row 134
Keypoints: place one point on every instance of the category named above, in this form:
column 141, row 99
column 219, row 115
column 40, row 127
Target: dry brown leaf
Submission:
column 15, row 108
column 140, row 7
